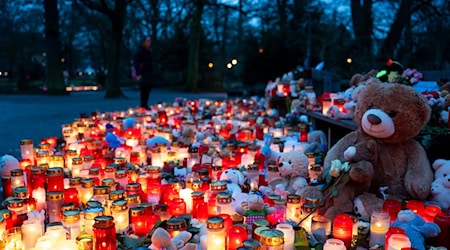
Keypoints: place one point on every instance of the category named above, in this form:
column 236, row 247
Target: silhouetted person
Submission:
column 143, row 67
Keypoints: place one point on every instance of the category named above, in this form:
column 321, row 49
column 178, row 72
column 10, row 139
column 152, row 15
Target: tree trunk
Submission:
column 395, row 32
column 363, row 30
column 54, row 69
column 194, row 47
column 117, row 18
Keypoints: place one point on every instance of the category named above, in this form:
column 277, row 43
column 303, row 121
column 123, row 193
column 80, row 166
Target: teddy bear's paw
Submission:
column 361, row 171
column 349, row 153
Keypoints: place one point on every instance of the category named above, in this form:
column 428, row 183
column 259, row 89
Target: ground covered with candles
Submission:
column 195, row 174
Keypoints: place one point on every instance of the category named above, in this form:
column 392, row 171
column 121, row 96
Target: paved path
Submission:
column 41, row 116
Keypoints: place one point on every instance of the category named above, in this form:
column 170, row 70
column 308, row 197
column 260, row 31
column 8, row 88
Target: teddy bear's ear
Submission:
column 161, row 237
column 240, row 177
column 438, row 163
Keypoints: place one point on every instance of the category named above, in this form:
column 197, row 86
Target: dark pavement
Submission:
column 41, row 116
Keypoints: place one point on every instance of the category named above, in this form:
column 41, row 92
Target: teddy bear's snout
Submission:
column 373, row 119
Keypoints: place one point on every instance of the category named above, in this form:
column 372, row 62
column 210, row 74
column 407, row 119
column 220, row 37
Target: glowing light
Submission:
column 349, row 60
column 260, row 50
column 234, row 61
column 210, row 65
column 229, row 65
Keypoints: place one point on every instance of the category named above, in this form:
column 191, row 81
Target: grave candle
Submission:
column 236, row 237
column 343, row 229
column 71, row 222
column 215, row 233
column 55, row 179
column 86, row 190
column 7, row 186
column 88, row 219
column 55, row 201
column 17, row 178
column 77, row 165
column 119, row 210
column 26, row 149
column 104, row 233
column 288, row 234
column 138, row 221
column 398, row 242
column 334, row 244
column 379, row 225
column 392, row 207
column 31, row 231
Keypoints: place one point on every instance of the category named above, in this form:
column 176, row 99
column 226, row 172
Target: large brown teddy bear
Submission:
column 388, row 116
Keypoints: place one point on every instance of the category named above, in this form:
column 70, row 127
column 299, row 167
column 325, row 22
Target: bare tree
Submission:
column 55, row 79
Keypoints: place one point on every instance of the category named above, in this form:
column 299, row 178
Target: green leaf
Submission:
column 334, row 192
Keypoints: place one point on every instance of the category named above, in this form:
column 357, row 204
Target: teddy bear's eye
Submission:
column 445, row 175
column 290, row 162
column 392, row 114
column 370, row 105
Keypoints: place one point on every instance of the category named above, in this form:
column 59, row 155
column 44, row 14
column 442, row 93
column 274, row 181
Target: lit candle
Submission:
column 236, row 237
column 334, row 244
column 398, row 242
column 416, row 206
column 293, row 208
column 379, row 225
column 430, row 212
column 138, row 221
column 326, row 104
column 89, row 216
column 119, row 210
column 175, row 225
column 390, row 232
column 71, row 222
column 185, row 194
column 343, row 228
column 177, row 206
column 392, row 207
column 215, row 233
column 224, row 204
column 86, row 190
column 31, row 231
column 17, row 178
column 77, row 165
column 55, row 200
column 55, row 179
column 104, row 233
column 288, row 234
column 26, row 149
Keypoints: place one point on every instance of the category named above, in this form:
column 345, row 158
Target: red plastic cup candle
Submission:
column 343, row 229
column 416, row 206
column 430, row 212
column 236, row 237
column 177, row 207
column 138, row 221
column 55, row 179
column 71, row 195
column 392, row 207
column 443, row 221
column 104, row 233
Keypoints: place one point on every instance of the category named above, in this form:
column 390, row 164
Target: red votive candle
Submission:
column 104, row 233
column 138, row 221
column 71, row 195
column 55, row 179
column 430, row 212
column 236, row 237
column 392, row 207
column 443, row 221
column 416, row 206
column 343, row 229
column 177, row 207
column 7, row 186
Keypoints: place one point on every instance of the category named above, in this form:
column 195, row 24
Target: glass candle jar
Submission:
column 272, row 172
column 334, row 244
column 279, row 215
column 104, row 233
column 138, row 221
column 392, row 207
column 87, row 221
column 31, row 231
column 119, row 210
column 101, row 194
column 27, row 149
column 88, row 161
column 314, row 172
column 17, row 178
column 379, row 225
column 21, row 192
column 216, row 172
column 70, row 154
column 175, row 225
column 293, row 208
column 288, row 235
column 18, row 211
column 236, row 237
column 133, row 200
column 94, row 173
column 320, row 228
column 215, row 233
column 271, row 239
column 55, row 200
column 113, row 196
column 133, row 189
column 121, row 178
column 55, row 179
column 86, row 190
column 7, row 186
column 71, row 196
column 177, row 207
column 197, row 199
column 161, row 211
column 253, row 176
column 110, row 170
column 77, row 165
column 71, row 222
column 223, row 203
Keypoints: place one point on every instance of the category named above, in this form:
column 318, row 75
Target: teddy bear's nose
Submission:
column 280, row 164
column 373, row 119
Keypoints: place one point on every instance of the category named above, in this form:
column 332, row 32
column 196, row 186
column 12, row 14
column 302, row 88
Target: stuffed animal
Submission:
column 256, row 209
column 416, row 228
column 156, row 141
column 161, row 240
column 8, row 163
column 365, row 204
column 187, row 136
column 234, row 178
column 317, row 141
column 440, row 192
column 389, row 115
column 441, row 168
column 293, row 165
